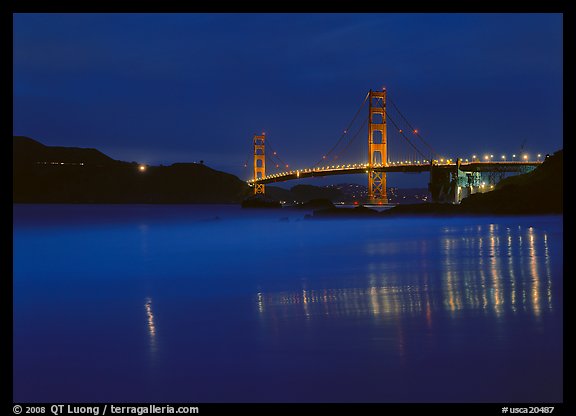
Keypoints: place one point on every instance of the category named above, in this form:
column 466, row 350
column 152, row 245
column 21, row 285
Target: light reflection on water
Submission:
column 480, row 271
column 151, row 325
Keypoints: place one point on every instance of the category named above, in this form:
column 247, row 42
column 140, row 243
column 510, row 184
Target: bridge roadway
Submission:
column 475, row 166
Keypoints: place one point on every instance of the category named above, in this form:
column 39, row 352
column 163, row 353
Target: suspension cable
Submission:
column 412, row 128
column 274, row 154
column 401, row 132
column 345, row 131
column 343, row 151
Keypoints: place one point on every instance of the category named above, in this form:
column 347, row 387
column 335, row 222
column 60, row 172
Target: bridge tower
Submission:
column 259, row 162
column 377, row 151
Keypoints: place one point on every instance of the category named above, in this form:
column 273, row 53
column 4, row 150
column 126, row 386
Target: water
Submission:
column 218, row 304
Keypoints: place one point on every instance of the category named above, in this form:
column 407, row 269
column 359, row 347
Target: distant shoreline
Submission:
column 68, row 175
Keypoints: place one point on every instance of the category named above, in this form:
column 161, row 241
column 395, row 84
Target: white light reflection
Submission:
column 487, row 277
column 548, row 271
column 535, row 290
column 510, row 256
column 488, row 269
column 150, row 323
column 375, row 301
column 495, row 268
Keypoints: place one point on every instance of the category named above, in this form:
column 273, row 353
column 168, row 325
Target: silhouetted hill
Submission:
column 48, row 174
column 27, row 150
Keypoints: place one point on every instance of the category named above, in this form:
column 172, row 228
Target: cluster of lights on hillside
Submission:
column 61, row 163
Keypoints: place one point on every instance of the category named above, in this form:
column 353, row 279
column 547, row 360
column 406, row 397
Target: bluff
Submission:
column 537, row 192
column 51, row 174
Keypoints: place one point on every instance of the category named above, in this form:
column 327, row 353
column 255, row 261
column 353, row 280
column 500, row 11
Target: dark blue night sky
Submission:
column 164, row 88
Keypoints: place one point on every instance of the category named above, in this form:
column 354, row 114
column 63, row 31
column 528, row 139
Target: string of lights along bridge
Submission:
column 393, row 145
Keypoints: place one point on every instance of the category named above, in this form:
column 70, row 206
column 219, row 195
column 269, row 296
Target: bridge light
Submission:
column 442, row 160
column 400, row 131
column 513, row 155
column 491, row 156
column 274, row 153
column 286, row 166
column 525, row 157
column 503, row 157
column 142, row 168
column 539, row 156
column 486, row 157
column 415, row 131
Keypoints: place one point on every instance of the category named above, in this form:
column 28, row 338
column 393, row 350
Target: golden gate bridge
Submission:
column 450, row 179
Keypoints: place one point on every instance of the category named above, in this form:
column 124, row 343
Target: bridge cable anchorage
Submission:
column 402, row 133
column 413, row 129
column 325, row 157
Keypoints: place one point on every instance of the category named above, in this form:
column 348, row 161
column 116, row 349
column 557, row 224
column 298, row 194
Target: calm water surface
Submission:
column 216, row 304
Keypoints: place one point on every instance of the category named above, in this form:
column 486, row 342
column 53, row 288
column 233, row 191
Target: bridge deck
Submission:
column 506, row 166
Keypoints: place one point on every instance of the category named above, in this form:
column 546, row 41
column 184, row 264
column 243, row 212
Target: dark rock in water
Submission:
column 303, row 193
column 345, row 212
column 320, row 203
column 259, row 201
column 216, row 218
column 431, row 208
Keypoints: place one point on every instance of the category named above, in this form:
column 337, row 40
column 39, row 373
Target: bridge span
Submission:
column 450, row 180
column 505, row 167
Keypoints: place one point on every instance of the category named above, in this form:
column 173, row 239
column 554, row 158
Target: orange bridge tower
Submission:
column 377, row 152
column 259, row 162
